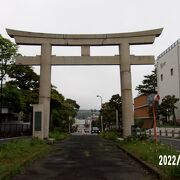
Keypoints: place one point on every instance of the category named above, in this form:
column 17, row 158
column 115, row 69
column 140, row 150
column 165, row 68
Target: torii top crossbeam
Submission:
column 85, row 41
column 133, row 38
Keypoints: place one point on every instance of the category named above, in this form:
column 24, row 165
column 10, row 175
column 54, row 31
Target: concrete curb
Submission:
column 148, row 166
column 6, row 140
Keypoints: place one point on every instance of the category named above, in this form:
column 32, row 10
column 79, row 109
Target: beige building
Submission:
column 168, row 73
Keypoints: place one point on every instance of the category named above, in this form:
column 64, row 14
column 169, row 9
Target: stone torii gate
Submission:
column 45, row 60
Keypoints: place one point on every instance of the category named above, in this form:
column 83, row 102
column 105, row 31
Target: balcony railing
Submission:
column 168, row 49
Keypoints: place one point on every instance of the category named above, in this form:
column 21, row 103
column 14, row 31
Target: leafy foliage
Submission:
column 63, row 111
column 149, row 84
column 7, row 52
column 24, row 77
column 58, row 135
column 13, row 155
column 167, row 107
column 108, row 111
column 13, row 98
column 25, row 80
column 22, row 90
column 111, row 135
column 150, row 152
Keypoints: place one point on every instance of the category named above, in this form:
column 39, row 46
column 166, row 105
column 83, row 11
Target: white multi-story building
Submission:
column 168, row 73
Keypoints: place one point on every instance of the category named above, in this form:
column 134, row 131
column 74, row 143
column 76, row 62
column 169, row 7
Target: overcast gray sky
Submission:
column 83, row 83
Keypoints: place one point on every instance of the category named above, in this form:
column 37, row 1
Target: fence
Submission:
column 14, row 130
column 163, row 132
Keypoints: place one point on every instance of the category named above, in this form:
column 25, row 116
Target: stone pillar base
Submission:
column 38, row 123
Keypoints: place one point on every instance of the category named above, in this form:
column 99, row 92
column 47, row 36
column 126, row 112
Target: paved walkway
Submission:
column 85, row 158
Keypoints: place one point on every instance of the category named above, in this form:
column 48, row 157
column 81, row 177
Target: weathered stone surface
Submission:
column 32, row 38
column 85, row 60
column 86, row 158
column 123, row 40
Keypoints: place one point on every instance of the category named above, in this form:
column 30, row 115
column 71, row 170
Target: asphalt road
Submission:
column 175, row 143
column 85, row 158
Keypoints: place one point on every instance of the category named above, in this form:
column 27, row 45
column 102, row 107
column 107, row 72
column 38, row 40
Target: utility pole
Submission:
column 69, row 124
column 1, row 90
column 101, row 115
column 117, row 123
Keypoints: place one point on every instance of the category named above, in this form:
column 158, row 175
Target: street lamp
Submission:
column 101, row 115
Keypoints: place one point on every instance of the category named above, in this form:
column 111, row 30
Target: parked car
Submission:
column 95, row 130
column 86, row 130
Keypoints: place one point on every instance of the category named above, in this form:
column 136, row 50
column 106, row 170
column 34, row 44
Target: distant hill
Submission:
column 84, row 114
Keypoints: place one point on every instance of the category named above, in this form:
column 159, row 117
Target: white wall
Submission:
column 170, row 85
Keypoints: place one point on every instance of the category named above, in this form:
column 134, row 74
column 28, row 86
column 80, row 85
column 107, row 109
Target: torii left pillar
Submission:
column 45, row 85
column 126, row 89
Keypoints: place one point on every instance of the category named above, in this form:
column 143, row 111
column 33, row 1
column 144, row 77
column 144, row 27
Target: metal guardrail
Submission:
column 168, row 49
column 14, row 130
column 170, row 132
column 165, row 133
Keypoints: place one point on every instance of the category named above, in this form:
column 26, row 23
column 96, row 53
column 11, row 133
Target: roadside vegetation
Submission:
column 148, row 151
column 58, row 135
column 110, row 111
column 16, row 154
column 20, row 89
column 110, row 135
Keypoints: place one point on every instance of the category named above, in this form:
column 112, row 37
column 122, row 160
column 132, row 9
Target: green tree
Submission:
column 23, row 89
column 73, row 106
column 116, row 103
column 149, row 84
column 57, row 100
column 109, row 115
column 25, row 79
column 167, row 107
column 108, row 111
column 8, row 51
column 13, row 98
column 61, row 110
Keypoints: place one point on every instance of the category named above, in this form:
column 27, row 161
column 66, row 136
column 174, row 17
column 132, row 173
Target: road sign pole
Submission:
column 155, row 133
column 156, row 99
column 151, row 100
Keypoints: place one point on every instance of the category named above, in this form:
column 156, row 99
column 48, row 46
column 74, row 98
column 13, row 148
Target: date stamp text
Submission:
column 169, row 160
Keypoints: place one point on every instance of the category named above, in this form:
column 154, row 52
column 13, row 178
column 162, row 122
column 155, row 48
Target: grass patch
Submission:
column 57, row 135
column 14, row 155
column 111, row 135
column 150, row 152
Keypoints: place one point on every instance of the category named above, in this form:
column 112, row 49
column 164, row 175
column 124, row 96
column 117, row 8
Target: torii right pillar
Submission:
column 126, row 89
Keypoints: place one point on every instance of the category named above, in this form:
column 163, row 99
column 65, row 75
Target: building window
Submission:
column 161, row 77
column 172, row 72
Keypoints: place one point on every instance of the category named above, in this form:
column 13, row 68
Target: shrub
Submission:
column 58, row 135
column 14, row 155
column 112, row 135
column 139, row 122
